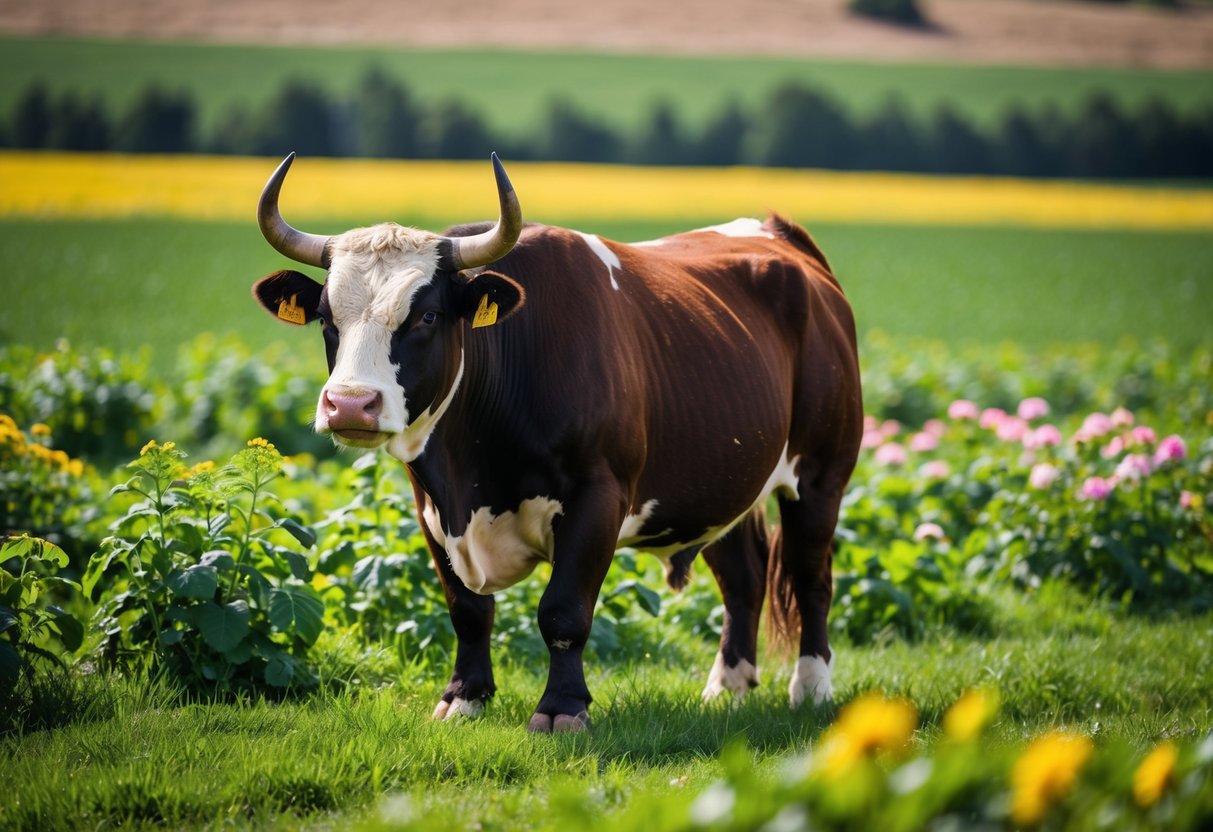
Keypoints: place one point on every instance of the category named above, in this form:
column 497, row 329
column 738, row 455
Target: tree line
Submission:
column 795, row 126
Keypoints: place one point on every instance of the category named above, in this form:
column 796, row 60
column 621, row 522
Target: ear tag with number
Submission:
column 486, row 313
column 289, row 311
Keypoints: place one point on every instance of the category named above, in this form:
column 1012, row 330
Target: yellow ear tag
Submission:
column 486, row 313
column 288, row 311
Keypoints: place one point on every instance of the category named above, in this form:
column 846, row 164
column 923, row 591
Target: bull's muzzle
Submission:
column 353, row 415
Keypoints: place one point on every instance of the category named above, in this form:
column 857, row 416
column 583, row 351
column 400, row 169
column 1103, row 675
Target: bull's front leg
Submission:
column 471, row 684
column 585, row 540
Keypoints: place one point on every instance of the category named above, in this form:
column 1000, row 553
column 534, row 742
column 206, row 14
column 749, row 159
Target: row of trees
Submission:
column 795, row 126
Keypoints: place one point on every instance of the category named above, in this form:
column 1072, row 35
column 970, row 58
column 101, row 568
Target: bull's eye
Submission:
column 429, row 317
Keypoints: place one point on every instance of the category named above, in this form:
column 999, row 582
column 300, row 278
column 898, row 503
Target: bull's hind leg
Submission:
column 739, row 562
column 802, row 582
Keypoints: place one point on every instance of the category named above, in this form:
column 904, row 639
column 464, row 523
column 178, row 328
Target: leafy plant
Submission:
column 31, row 625
column 208, row 595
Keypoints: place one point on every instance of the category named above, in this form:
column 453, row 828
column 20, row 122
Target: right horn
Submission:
column 310, row 249
column 482, row 249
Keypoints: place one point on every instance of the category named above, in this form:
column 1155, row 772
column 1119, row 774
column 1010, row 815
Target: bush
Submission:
column 209, row 595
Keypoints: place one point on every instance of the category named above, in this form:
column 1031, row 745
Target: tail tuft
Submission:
column 783, row 613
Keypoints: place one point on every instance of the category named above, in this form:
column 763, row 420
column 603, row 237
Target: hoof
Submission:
column 458, row 707
column 811, row 681
column 561, row 724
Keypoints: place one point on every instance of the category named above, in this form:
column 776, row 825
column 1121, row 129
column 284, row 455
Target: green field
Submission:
column 374, row 759
column 125, row 284
column 512, row 88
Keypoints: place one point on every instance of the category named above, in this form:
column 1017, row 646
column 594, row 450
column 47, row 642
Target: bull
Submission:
column 555, row 396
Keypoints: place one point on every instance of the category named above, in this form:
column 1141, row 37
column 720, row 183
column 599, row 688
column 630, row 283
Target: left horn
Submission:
column 482, row 249
column 309, row 249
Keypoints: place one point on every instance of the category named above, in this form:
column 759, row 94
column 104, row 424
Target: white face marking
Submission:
column 497, row 551
column 738, row 680
column 740, row 227
column 374, row 276
column 608, row 257
column 811, row 680
column 410, row 442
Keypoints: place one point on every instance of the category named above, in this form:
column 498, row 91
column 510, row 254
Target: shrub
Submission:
column 33, row 629
column 209, row 597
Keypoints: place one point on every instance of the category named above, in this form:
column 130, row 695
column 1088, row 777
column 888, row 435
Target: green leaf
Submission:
column 197, row 581
column 10, row 664
column 297, row 608
column 223, row 627
column 171, row 636
column 218, row 559
column 8, row 619
column 299, row 565
column 16, row 547
column 71, row 631
column 281, row 669
column 305, row 536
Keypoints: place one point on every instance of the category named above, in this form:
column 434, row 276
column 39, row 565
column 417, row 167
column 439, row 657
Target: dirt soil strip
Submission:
column 1036, row 32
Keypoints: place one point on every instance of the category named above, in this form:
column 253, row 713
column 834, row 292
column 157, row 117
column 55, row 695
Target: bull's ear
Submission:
column 289, row 296
column 488, row 298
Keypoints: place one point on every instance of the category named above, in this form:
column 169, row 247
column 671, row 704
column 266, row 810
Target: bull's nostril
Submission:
column 330, row 409
column 374, row 405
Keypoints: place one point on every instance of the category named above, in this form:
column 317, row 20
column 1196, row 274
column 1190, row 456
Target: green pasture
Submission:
column 512, row 89
column 127, row 284
column 133, row 756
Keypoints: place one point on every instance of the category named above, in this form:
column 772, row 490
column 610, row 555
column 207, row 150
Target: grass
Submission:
column 149, row 760
column 127, row 284
column 512, row 88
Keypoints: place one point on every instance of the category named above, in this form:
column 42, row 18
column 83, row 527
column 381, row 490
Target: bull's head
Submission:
column 394, row 310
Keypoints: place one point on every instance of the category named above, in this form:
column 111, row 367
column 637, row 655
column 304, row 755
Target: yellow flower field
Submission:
column 93, row 186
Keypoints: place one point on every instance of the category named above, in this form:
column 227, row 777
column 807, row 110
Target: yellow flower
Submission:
column 61, row 459
column 76, row 468
column 168, row 446
column 869, row 725
column 1155, row 774
column 204, row 467
column 1045, row 773
column 6, row 422
column 970, row 714
column 150, row 446
column 39, row 429
column 260, row 443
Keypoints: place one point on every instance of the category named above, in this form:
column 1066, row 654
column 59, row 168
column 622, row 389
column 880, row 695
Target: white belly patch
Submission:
column 497, row 551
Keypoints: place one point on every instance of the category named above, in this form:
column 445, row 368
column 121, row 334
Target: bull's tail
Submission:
column 783, row 613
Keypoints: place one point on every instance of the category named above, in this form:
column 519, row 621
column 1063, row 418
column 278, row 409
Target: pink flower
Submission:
column 1044, row 436
column 929, row 531
column 1190, row 501
column 870, row 423
column 1097, row 424
column 935, row 427
column 1142, row 435
column 1113, row 448
column 1122, row 418
column 922, row 442
column 962, row 410
column 1012, row 429
column 992, row 417
column 936, row 469
column 1172, row 447
column 1096, row 488
column 1043, row 475
column 890, row 453
column 1134, row 467
column 890, row 428
column 1033, row 408
column 871, row 439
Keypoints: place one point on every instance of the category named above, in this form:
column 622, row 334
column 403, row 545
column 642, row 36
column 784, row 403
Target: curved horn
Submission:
column 482, row 249
column 310, row 249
